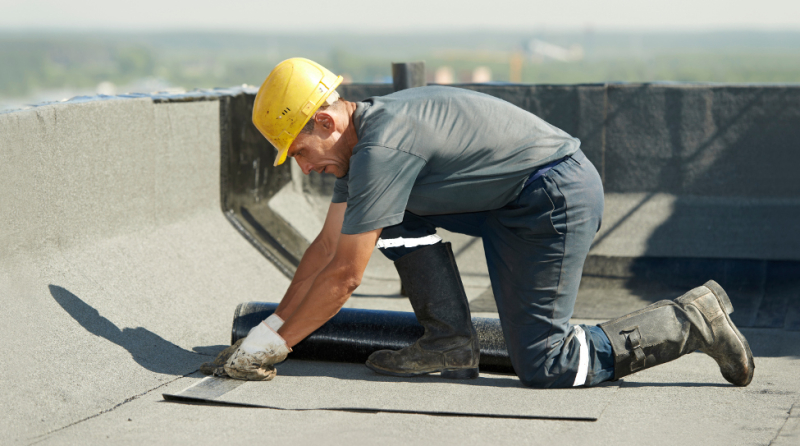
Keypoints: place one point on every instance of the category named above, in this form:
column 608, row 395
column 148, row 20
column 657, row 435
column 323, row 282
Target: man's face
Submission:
column 319, row 152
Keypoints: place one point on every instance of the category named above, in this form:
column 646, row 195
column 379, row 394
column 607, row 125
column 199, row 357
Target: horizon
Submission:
column 43, row 65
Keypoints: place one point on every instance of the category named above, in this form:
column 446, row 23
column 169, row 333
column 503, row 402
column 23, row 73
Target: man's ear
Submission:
column 325, row 120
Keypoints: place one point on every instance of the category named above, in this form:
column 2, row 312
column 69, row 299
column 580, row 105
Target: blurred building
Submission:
column 540, row 50
column 443, row 75
column 481, row 75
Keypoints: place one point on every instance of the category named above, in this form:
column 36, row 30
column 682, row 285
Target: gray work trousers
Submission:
column 535, row 249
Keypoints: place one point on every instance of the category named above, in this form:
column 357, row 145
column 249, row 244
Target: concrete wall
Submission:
column 118, row 272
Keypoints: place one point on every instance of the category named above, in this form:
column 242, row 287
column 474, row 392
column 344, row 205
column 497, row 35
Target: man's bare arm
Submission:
column 316, row 257
column 332, row 286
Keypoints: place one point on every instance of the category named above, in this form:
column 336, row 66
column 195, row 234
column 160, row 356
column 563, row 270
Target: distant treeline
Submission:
column 31, row 62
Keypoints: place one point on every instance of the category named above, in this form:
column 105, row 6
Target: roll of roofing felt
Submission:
column 353, row 334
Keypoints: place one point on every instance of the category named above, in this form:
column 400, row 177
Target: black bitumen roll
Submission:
column 353, row 334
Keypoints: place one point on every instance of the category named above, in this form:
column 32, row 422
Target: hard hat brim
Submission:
column 281, row 158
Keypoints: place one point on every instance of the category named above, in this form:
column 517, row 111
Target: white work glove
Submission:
column 274, row 322
column 261, row 349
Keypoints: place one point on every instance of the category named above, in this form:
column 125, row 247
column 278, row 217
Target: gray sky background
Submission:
column 302, row 16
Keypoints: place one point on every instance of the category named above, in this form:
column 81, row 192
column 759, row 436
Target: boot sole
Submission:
column 469, row 373
column 725, row 303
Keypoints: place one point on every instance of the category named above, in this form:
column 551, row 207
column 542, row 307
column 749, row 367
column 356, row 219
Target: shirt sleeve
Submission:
column 379, row 184
column 340, row 189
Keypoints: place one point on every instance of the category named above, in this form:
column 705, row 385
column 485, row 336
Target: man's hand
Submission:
column 252, row 358
column 261, row 349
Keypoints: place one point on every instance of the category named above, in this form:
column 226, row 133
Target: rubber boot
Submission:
column 450, row 343
column 666, row 330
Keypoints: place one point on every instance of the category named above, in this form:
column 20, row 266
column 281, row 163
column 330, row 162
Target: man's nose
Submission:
column 304, row 166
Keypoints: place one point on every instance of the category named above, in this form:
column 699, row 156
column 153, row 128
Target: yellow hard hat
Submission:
column 293, row 91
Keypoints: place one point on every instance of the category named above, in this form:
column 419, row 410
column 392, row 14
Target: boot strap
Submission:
column 635, row 347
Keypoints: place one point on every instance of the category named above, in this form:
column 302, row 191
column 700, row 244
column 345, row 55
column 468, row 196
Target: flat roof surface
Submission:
column 120, row 275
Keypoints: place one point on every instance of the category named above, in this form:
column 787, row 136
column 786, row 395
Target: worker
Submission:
column 442, row 157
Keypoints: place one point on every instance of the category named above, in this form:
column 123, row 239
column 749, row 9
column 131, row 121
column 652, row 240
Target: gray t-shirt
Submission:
column 441, row 150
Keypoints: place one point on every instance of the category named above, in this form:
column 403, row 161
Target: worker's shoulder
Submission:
column 423, row 102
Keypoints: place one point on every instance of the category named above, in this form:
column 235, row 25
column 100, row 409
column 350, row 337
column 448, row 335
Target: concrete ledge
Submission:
column 116, row 264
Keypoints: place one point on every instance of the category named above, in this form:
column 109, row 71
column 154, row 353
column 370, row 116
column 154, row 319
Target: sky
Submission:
column 379, row 16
